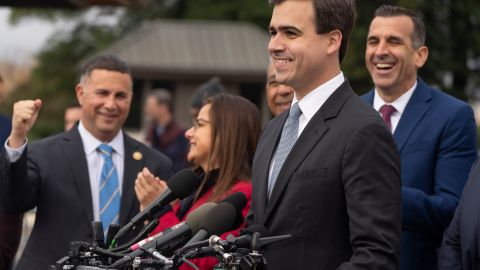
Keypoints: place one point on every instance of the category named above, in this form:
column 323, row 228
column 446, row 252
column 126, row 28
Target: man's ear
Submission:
column 421, row 56
column 80, row 92
column 334, row 41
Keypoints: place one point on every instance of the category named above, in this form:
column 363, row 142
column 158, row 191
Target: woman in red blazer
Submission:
column 222, row 140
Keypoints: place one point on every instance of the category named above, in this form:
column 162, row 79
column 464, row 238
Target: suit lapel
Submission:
column 271, row 138
column 131, row 168
column 415, row 110
column 368, row 97
column 309, row 137
column 72, row 147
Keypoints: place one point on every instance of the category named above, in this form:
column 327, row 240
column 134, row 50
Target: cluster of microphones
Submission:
column 196, row 237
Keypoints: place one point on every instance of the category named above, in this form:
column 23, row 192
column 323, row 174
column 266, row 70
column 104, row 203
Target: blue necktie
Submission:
column 287, row 140
column 109, row 189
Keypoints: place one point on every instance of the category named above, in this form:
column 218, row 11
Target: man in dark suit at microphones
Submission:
column 81, row 175
column 326, row 171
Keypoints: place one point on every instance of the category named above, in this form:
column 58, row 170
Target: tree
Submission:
column 453, row 36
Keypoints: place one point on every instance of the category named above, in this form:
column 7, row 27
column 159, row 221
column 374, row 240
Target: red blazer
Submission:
column 170, row 219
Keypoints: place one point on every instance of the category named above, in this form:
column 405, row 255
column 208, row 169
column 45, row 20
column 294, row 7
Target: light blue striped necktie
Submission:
column 287, row 140
column 109, row 189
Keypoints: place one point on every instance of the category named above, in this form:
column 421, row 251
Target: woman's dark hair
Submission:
column 236, row 127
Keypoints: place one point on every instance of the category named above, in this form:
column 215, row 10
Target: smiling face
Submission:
column 200, row 138
column 279, row 96
column 303, row 59
column 390, row 57
column 105, row 98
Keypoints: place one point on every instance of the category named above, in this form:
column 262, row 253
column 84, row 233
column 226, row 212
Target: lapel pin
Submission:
column 137, row 155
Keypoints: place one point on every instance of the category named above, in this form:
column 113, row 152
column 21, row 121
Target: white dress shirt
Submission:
column 94, row 161
column 399, row 104
column 311, row 103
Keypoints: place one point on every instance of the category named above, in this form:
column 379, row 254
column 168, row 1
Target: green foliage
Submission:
column 254, row 11
column 453, row 36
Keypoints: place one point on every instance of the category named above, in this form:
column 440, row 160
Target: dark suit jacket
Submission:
column 338, row 192
column 52, row 175
column 5, row 127
column 10, row 233
column 460, row 247
column 436, row 137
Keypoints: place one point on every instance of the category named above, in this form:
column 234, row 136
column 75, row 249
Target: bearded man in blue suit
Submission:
column 434, row 132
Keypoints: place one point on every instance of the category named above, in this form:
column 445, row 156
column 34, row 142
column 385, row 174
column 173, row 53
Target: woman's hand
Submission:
column 148, row 187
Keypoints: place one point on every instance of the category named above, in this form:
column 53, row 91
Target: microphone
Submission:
column 226, row 216
column 245, row 238
column 193, row 220
column 111, row 232
column 180, row 186
column 170, row 238
column 232, row 242
column 249, row 239
column 98, row 234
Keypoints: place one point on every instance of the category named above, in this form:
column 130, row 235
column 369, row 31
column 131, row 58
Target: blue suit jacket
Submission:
column 462, row 238
column 436, row 137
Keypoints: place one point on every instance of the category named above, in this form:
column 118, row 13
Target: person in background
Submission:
column 10, row 223
column 5, row 123
column 85, row 174
column 434, row 132
column 460, row 249
column 221, row 153
column 71, row 117
column 279, row 96
column 164, row 133
column 207, row 89
column 326, row 171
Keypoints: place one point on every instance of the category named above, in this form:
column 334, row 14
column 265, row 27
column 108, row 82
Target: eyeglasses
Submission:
column 198, row 123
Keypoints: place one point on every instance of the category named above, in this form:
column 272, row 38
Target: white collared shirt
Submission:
column 399, row 104
column 311, row 103
column 94, row 161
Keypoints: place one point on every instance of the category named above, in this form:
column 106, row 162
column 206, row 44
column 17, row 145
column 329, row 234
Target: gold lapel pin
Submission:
column 137, row 155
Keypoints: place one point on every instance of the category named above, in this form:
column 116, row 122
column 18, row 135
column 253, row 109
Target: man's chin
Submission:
column 282, row 108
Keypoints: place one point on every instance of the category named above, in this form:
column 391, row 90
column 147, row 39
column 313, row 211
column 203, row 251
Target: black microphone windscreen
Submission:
column 220, row 219
column 195, row 218
column 183, row 183
column 238, row 200
column 255, row 228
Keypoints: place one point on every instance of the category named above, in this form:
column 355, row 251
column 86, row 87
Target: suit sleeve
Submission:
column 10, row 232
column 450, row 253
column 20, row 182
column 371, row 180
column 456, row 153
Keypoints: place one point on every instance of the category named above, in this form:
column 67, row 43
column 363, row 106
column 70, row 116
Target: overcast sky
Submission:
column 18, row 43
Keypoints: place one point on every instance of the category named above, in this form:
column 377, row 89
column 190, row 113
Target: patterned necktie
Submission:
column 287, row 140
column 109, row 189
column 386, row 112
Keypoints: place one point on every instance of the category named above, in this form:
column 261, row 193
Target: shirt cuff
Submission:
column 15, row 154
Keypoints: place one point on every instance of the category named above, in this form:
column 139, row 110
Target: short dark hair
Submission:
column 419, row 33
column 105, row 62
column 163, row 97
column 333, row 15
column 206, row 90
